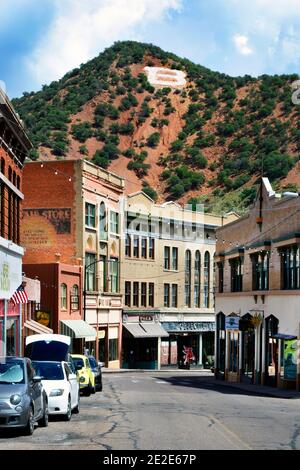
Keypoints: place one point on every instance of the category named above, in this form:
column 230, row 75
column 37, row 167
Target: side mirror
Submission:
column 101, row 364
column 37, row 380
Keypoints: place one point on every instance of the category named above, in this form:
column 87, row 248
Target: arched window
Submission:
column 197, row 279
column 75, row 298
column 187, row 287
column 63, row 296
column 103, row 222
column 206, row 280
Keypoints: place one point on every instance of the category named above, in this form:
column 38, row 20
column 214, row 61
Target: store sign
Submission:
column 232, row 323
column 146, row 318
column 290, row 359
column 10, row 274
column 43, row 318
column 196, row 327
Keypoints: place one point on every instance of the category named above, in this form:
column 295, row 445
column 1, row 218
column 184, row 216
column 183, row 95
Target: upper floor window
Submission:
column 174, row 295
column 103, row 221
column 260, row 271
column 114, row 275
column 128, row 294
column 90, row 268
column 114, row 222
column 167, row 258
column 175, row 259
column 63, row 296
column 151, row 295
column 188, row 274
column 75, row 298
column 167, row 295
column 290, row 267
column 128, row 246
column 237, row 270
column 144, row 294
column 90, row 215
column 144, row 248
column 136, row 247
column 220, row 277
column 206, row 296
column 151, row 248
column 197, row 279
column 136, row 294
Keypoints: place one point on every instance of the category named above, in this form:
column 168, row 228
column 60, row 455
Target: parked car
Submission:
column 85, row 374
column 23, row 401
column 50, row 356
column 96, row 369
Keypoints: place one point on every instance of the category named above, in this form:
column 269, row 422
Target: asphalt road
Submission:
column 169, row 411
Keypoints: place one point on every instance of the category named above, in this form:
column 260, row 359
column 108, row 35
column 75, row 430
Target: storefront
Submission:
column 10, row 315
column 197, row 336
column 142, row 344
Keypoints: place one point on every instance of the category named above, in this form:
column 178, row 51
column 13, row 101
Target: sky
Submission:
column 42, row 40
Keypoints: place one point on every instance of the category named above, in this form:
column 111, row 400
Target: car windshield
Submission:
column 78, row 362
column 93, row 362
column 11, row 372
column 49, row 370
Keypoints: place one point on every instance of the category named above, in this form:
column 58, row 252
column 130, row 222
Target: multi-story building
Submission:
column 167, row 279
column 72, row 215
column 14, row 145
column 258, row 292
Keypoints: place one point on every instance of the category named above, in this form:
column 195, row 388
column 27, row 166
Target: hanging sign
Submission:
column 232, row 323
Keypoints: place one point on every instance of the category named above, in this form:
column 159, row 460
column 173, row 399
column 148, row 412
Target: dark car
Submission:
column 23, row 401
column 96, row 369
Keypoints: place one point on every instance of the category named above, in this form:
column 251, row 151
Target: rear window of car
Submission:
column 78, row 362
column 93, row 362
column 12, row 372
column 49, row 370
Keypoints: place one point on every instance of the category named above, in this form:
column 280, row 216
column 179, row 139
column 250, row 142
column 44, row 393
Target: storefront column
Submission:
column 263, row 353
column 227, row 346
column 159, row 354
column 278, row 378
column 240, row 355
column 4, row 328
column 21, row 332
column 256, row 355
column 298, row 364
column 200, row 362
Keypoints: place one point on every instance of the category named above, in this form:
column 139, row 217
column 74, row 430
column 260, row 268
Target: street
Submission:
column 169, row 411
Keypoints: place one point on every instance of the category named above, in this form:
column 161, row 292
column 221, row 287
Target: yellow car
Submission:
column 85, row 374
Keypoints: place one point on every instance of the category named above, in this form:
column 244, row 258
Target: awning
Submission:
column 78, row 329
column 146, row 330
column 284, row 337
column 37, row 327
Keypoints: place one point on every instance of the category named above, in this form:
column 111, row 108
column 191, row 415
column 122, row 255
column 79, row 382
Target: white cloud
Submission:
column 83, row 28
column 242, row 44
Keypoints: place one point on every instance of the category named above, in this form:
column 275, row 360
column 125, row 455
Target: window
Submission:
column 175, row 259
column 206, row 280
column 136, row 247
column 290, row 267
column 151, row 295
column 90, row 215
column 197, row 279
column 167, row 295
column 63, row 296
column 172, row 228
column 114, row 222
column 103, row 270
column 128, row 294
column 221, row 277
column 90, row 264
column 128, row 246
column 144, row 247
column 187, row 282
column 114, row 275
column 151, row 248
column 75, row 298
column 167, row 258
column 103, row 222
column 260, row 271
column 174, row 295
column 135, row 294
column 113, row 349
column 237, row 265
column 144, row 294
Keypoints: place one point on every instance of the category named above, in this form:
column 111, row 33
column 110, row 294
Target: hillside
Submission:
column 205, row 141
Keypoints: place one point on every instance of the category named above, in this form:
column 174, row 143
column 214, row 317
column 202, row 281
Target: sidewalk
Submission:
column 260, row 390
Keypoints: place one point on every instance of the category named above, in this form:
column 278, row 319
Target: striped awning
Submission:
column 146, row 330
column 37, row 327
column 78, row 329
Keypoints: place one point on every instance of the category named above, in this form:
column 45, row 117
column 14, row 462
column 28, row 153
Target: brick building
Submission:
column 14, row 145
column 258, row 292
column 72, row 216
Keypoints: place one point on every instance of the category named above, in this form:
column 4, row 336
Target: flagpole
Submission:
column 4, row 328
column 20, row 332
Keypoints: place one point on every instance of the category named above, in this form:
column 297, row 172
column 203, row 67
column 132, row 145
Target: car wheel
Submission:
column 88, row 391
column 30, row 423
column 68, row 415
column 99, row 388
column 77, row 408
column 44, row 421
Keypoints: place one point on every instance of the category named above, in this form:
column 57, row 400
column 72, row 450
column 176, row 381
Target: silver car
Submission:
column 23, row 401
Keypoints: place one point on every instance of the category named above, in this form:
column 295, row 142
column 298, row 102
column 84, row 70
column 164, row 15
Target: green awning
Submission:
column 78, row 329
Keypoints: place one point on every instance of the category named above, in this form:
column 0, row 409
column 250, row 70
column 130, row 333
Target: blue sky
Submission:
column 42, row 40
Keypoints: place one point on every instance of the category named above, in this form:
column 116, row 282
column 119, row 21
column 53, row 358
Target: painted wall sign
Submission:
column 59, row 218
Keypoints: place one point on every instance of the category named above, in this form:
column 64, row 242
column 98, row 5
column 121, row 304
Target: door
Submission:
column 35, row 392
column 74, row 386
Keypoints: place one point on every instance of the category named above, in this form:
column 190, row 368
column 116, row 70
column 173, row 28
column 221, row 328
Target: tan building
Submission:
column 72, row 215
column 167, row 279
column 258, row 292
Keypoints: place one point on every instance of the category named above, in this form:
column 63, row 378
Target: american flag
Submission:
column 20, row 296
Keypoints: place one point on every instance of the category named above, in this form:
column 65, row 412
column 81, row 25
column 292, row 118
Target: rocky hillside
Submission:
column 207, row 141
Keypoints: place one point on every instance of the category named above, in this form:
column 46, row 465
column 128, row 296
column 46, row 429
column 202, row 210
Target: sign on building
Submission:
column 232, row 323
